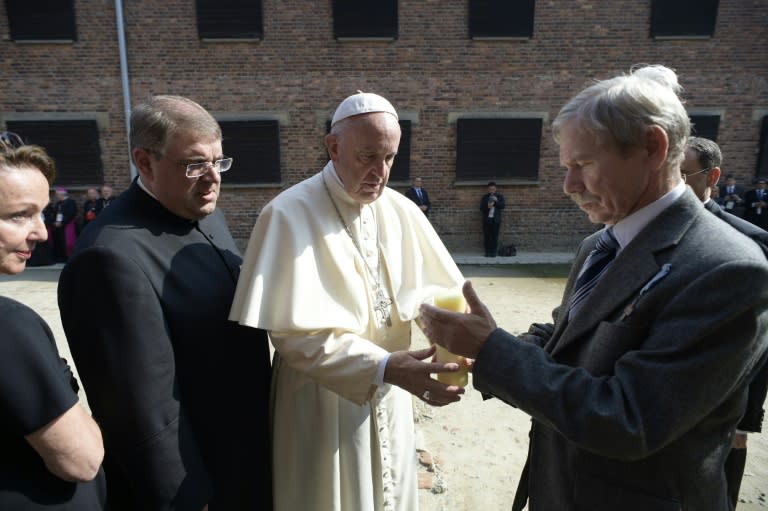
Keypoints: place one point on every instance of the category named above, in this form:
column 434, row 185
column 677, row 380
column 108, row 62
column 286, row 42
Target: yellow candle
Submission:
column 452, row 301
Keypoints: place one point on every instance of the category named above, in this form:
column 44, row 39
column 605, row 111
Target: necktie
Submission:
column 593, row 269
column 418, row 192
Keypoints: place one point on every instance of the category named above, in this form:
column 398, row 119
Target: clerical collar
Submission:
column 146, row 190
column 143, row 187
column 338, row 187
column 335, row 174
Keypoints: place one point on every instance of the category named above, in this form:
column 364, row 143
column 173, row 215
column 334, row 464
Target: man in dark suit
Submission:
column 756, row 204
column 491, row 205
column 701, row 170
column 419, row 196
column 633, row 392
column 180, row 392
column 732, row 196
column 107, row 196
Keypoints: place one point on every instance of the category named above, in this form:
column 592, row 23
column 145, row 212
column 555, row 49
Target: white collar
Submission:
column 627, row 228
column 144, row 187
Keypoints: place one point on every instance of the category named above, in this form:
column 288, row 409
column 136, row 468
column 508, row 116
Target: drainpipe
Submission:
column 124, row 77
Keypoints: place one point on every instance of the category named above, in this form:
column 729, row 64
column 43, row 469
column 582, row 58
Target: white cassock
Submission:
column 340, row 442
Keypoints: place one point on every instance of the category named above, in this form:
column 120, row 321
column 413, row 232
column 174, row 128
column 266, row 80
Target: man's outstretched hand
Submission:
column 459, row 333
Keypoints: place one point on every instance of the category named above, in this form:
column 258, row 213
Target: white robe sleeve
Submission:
column 343, row 362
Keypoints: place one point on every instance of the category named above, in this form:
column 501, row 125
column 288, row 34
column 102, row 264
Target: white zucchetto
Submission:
column 362, row 103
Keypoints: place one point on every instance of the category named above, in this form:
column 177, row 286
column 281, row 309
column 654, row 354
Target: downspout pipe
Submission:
column 124, row 78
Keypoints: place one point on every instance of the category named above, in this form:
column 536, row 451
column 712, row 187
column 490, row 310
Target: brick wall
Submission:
column 433, row 70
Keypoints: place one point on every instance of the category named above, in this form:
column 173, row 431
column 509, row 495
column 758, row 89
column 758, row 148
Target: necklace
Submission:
column 383, row 302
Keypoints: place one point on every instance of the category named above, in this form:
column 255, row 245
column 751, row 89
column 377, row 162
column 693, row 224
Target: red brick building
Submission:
column 477, row 84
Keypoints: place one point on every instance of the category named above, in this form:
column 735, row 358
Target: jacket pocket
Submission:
column 609, row 343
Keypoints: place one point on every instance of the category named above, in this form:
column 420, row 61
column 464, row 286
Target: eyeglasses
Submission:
column 196, row 170
column 689, row 174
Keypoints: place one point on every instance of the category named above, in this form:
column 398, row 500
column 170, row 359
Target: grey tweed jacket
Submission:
column 635, row 400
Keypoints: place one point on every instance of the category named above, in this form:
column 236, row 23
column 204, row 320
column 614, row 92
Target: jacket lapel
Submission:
column 635, row 265
column 621, row 281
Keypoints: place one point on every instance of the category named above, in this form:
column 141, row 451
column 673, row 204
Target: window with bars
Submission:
column 501, row 18
column 365, row 19
column 74, row 146
column 762, row 157
column 41, row 20
column 229, row 19
column 498, row 148
column 705, row 126
column 401, row 169
column 683, row 18
column 254, row 146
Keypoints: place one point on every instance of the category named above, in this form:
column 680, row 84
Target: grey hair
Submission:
column 707, row 151
column 619, row 110
column 155, row 122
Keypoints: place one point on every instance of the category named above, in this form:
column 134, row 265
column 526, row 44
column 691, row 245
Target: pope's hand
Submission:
column 408, row 370
column 459, row 333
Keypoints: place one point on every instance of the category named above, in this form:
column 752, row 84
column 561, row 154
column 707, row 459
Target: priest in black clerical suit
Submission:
column 181, row 393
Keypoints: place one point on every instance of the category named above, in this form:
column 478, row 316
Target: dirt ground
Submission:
column 479, row 447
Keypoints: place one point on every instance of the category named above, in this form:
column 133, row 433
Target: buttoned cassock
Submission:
column 179, row 391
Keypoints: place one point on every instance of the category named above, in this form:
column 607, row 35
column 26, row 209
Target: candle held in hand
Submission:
column 452, row 301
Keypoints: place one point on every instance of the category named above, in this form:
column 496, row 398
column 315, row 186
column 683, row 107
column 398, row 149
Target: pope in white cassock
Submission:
column 335, row 270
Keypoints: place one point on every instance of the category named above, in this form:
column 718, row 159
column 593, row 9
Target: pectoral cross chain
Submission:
column 382, row 303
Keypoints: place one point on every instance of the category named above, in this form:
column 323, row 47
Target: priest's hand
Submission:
column 409, row 371
column 460, row 333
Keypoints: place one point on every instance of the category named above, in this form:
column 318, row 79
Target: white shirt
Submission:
column 627, row 228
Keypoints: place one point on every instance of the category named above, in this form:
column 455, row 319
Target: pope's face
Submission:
column 23, row 195
column 606, row 184
column 363, row 152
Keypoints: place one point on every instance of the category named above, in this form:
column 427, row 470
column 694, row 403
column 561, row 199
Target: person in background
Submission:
column 91, row 206
column 732, row 195
column 51, row 447
column 756, row 204
column 64, row 225
column 491, row 205
column 335, row 270
column 106, row 196
column 181, row 392
column 701, row 170
column 419, row 196
column 714, row 194
column 636, row 389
